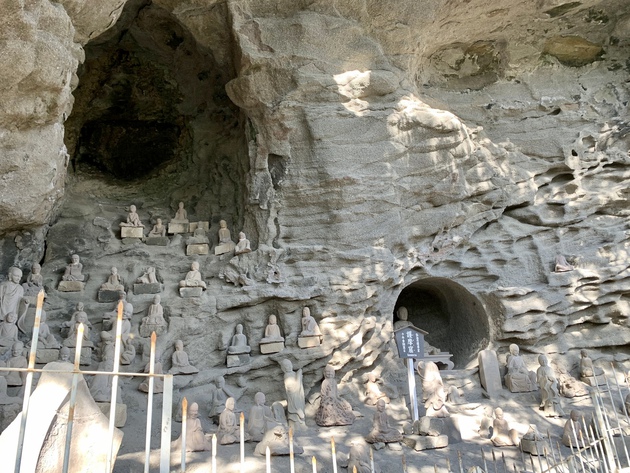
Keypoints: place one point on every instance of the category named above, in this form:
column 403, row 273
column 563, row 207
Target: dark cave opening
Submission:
column 453, row 317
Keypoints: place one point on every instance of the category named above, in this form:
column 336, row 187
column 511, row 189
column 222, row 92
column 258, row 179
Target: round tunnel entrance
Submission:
column 453, row 317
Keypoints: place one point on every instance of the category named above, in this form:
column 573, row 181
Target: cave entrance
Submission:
column 151, row 117
column 454, row 318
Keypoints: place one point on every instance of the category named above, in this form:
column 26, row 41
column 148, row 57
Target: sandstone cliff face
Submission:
column 422, row 150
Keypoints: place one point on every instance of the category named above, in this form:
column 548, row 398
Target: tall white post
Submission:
column 413, row 397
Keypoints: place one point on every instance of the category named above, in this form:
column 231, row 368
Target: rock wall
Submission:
column 375, row 145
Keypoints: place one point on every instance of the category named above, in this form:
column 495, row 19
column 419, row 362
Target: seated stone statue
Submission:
column 239, row 344
column 181, row 216
column 5, row 399
column 17, row 360
column 114, row 282
column 402, row 321
column 8, row 330
column 193, row 277
column 74, row 270
column 436, row 403
column 587, row 368
column 46, row 339
column 75, row 315
column 277, row 439
column 180, row 363
column 333, row 410
column 158, row 230
column 101, row 385
column 148, row 277
column 106, row 346
column 548, row 388
column 309, row 324
column 573, row 434
column 158, row 383
column 382, row 432
column 502, row 435
column 225, row 238
column 155, row 314
column 373, row 391
column 562, row 265
column 518, row 378
column 431, row 378
column 34, row 282
column 196, row 440
column 229, row 428
column 133, row 219
column 272, row 331
column 11, row 293
column 358, row 458
column 568, row 386
column 243, row 245
column 71, row 341
column 218, row 397
column 260, row 418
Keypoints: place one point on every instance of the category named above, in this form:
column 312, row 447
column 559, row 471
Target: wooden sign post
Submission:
column 410, row 343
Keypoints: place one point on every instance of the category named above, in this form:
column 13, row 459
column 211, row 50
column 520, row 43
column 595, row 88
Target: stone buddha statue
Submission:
column 74, row 270
column 239, row 344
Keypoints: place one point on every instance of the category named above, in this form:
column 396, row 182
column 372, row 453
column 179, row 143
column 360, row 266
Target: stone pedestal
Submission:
column 157, row 241
column 153, row 288
column 593, row 381
column 177, row 227
column 190, row 291
column 108, row 296
column 197, row 249
column 224, row 248
column 534, row 447
column 237, row 360
column 147, row 329
column 120, row 418
column 71, row 286
column 310, row 341
column 489, row 373
column 132, row 232
column 271, row 347
column 421, row 442
column 47, row 355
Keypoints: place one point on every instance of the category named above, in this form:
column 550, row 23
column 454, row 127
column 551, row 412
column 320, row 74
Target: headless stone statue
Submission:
column 548, row 389
column 333, row 410
column 148, row 277
column 295, row 395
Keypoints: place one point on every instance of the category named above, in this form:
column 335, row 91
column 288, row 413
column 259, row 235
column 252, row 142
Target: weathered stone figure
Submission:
column 243, row 244
column 196, row 440
column 309, row 324
column 260, row 418
column 74, row 270
column 8, row 330
column 34, row 282
column 589, row 373
column 373, row 391
column 272, row 331
column 46, row 339
column 71, row 341
column 562, row 265
column 114, row 282
column 219, row 396
column 228, row 431
column 148, row 277
column 518, row 378
column 180, row 362
column 548, row 389
column 402, row 321
column 295, row 395
column 224, row 234
column 239, row 342
column 573, row 433
column 158, row 230
column 11, row 293
column 181, row 215
column 502, row 435
column 333, row 410
column 382, row 432
column 17, row 360
column 133, row 219
column 193, row 277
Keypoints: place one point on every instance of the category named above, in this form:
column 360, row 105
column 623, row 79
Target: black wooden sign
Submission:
column 410, row 342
